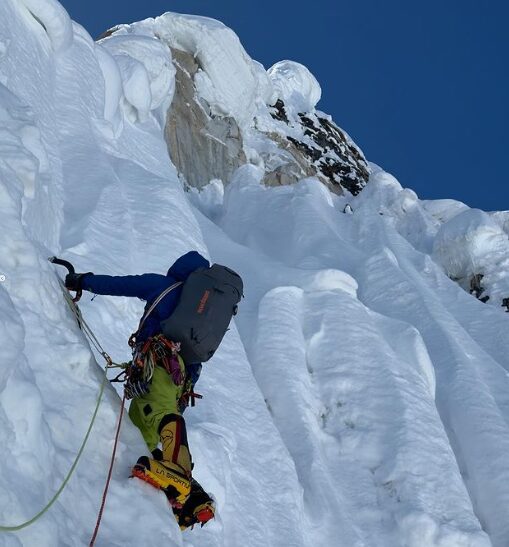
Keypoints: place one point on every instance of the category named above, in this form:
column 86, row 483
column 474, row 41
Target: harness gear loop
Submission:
column 139, row 374
column 165, row 353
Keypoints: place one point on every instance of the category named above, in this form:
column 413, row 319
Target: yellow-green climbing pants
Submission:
column 147, row 411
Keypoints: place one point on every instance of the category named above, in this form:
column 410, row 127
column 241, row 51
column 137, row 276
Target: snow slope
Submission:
column 360, row 399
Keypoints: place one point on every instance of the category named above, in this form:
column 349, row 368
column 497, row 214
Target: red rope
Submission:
column 105, row 493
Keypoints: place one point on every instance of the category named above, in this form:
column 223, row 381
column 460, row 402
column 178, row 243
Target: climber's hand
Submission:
column 73, row 281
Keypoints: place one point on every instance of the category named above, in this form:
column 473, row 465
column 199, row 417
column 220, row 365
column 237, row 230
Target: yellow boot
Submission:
column 173, row 472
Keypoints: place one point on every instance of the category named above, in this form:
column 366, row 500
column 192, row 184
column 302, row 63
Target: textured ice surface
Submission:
column 361, row 398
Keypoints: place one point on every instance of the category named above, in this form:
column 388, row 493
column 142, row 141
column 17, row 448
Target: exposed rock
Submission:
column 477, row 289
column 279, row 112
column 292, row 164
column 330, row 155
column 190, row 127
column 205, row 146
column 205, row 143
column 108, row 32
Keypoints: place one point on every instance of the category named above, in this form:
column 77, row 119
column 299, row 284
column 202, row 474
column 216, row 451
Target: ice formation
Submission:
column 361, row 398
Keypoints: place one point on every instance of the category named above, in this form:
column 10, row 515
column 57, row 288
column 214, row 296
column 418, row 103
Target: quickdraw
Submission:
column 139, row 373
column 166, row 353
column 157, row 351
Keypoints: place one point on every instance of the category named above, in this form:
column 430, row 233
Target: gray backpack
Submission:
column 207, row 303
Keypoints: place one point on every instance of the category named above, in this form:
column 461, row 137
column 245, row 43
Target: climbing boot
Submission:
column 171, row 470
column 198, row 509
column 160, row 474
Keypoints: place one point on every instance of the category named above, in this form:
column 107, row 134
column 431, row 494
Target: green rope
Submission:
column 71, row 471
column 109, row 364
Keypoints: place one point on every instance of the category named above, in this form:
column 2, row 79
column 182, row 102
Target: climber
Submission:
column 160, row 381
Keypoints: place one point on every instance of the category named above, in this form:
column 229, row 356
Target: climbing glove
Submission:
column 73, row 281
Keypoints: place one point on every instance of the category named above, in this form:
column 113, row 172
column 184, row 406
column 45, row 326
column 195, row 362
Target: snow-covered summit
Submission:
column 361, row 398
column 233, row 110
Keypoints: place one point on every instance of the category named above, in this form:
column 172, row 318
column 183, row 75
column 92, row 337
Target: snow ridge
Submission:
column 361, row 397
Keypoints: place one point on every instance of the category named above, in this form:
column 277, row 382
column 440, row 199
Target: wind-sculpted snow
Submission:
column 147, row 72
column 229, row 80
column 295, row 86
column 473, row 243
column 52, row 19
column 361, row 397
column 370, row 416
column 113, row 90
column 234, row 111
column 470, row 246
column 111, row 205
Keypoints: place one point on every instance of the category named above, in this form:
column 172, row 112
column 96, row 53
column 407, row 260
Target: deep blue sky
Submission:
column 422, row 87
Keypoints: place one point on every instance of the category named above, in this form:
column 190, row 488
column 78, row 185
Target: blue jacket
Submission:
column 148, row 287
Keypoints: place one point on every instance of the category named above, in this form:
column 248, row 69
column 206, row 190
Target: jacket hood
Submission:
column 186, row 265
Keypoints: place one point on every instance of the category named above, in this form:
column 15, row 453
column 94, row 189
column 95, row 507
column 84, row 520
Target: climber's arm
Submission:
column 141, row 286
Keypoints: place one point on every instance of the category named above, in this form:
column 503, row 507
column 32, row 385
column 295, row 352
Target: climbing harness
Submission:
column 138, row 373
column 166, row 353
column 72, row 302
column 156, row 350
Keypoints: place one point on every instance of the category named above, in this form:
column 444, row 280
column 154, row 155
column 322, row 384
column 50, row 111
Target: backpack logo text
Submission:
column 203, row 301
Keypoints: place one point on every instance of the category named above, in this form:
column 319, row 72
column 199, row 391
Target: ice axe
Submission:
column 70, row 269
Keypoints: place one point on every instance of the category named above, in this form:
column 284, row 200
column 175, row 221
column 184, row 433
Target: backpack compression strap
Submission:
column 132, row 338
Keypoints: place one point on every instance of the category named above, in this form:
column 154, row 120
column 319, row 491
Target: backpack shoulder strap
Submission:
column 151, row 309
